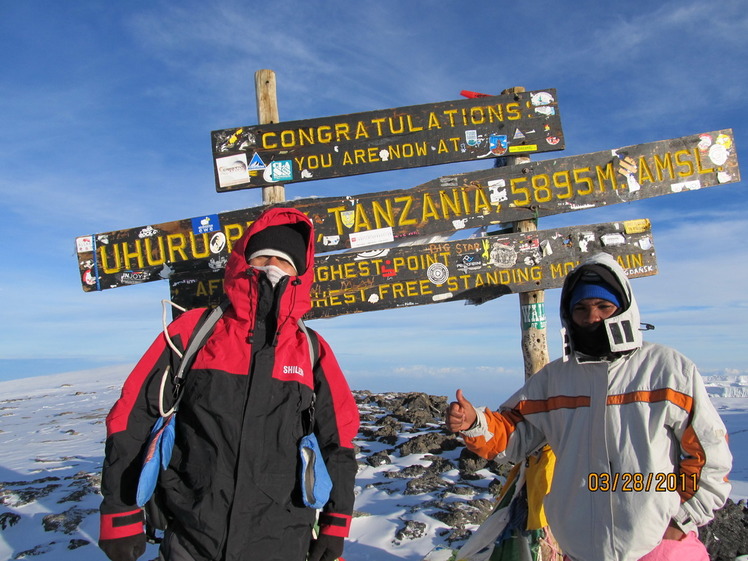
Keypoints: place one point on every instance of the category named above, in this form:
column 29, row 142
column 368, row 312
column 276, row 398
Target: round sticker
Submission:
column 438, row 273
column 717, row 154
column 217, row 242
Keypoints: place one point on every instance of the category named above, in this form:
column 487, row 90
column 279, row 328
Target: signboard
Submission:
column 474, row 270
column 388, row 139
column 441, row 206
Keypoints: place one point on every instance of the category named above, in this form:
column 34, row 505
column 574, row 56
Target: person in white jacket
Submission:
column 641, row 453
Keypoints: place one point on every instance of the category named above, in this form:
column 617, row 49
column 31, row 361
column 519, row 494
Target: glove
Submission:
column 326, row 548
column 128, row 548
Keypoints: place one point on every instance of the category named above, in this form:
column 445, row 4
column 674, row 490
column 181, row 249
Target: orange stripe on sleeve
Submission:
column 692, row 464
column 682, row 400
column 530, row 406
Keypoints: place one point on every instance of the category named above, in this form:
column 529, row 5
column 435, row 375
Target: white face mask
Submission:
column 273, row 273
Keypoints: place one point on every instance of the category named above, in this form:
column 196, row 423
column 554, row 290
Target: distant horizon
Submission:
column 25, row 369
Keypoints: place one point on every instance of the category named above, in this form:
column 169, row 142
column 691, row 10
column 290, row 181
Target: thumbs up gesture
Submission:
column 461, row 414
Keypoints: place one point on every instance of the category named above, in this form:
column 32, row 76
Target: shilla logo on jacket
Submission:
column 298, row 370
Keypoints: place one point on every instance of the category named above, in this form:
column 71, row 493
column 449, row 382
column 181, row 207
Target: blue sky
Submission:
column 106, row 112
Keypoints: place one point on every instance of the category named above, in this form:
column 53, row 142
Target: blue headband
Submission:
column 593, row 290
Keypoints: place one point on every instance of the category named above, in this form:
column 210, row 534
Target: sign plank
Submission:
column 388, row 139
column 475, row 270
column 440, row 206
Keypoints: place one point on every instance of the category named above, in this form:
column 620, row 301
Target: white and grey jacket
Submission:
column 637, row 443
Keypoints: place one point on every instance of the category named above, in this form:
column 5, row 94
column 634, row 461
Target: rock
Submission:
column 66, row 522
column 76, row 543
column 470, row 462
column 411, row 531
column 726, row 536
column 26, row 495
column 378, row 459
column 429, row 443
column 427, row 483
column 416, row 470
column 458, row 514
column 40, row 549
column 8, row 519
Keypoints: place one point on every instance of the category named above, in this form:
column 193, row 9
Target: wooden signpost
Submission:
column 475, row 270
column 441, row 206
column 388, row 139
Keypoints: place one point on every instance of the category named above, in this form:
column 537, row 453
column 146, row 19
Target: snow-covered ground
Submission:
column 52, row 439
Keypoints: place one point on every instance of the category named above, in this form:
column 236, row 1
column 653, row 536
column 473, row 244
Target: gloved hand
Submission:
column 128, row 548
column 326, row 548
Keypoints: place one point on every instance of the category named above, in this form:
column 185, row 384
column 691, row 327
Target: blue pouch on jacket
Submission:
column 315, row 481
column 156, row 458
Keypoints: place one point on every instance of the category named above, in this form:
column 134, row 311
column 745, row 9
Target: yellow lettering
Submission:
column 378, row 124
column 342, row 131
column 338, row 220
column 206, row 247
column 496, row 112
column 429, row 209
column 631, row 261
column 411, row 128
column 288, row 139
column 404, row 220
column 176, row 244
column 663, row 164
column 266, row 143
column 477, row 115
column 602, row 174
column 448, row 204
column 104, row 261
column 234, row 232
column 150, row 257
column 361, row 131
column 214, row 285
column 492, row 277
column 324, row 134
column 451, row 114
column 559, row 270
column 425, row 287
column 306, row 136
column 481, row 202
column 434, row 121
column 361, row 221
column 645, row 174
column 382, row 216
column 513, row 111
column 397, row 130
column 698, row 162
column 681, row 160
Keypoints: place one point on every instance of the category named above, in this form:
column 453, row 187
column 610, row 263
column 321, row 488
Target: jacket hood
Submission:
column 622, row 329
column 238, row 284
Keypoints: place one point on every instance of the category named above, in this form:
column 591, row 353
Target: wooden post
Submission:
column 531, row 304
column 267, row 112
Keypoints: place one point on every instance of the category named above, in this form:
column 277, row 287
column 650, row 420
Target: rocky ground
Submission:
column 439, row 487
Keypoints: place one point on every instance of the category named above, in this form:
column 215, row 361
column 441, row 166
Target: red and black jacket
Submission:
column 241, row 415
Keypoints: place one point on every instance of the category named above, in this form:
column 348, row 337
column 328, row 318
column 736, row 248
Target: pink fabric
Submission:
column 687, row 549
column 690, row 548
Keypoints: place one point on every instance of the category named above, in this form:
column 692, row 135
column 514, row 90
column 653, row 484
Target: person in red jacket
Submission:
column 232, row 488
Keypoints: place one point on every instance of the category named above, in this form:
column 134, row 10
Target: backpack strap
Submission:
column 200, row 334
column 311, row 337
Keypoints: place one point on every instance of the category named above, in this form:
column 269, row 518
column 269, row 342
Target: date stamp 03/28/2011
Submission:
column 642, row 482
